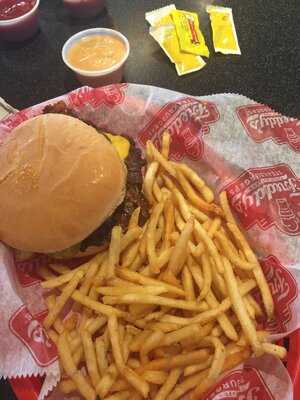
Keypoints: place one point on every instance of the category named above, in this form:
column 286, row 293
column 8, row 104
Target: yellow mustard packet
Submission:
column 188, row 66
column 185, row 63
column 224, row 34
column 164, row 33
column 191, row 39
column 160, row 16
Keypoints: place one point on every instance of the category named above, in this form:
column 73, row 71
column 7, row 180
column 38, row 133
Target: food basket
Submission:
column 146, row 112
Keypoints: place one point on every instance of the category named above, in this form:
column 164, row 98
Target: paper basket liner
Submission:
column 235, row 144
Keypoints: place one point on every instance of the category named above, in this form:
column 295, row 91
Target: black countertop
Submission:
column 268, row 69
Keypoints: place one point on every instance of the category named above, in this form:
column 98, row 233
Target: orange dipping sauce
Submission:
column 96, row 53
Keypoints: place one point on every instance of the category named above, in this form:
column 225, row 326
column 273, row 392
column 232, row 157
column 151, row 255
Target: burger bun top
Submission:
column 59, row 180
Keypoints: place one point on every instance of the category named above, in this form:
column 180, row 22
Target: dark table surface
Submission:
column 268, row 69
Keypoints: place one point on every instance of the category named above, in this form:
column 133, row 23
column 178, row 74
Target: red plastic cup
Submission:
column 84, row 8
column 102, row 77
column 20, row 28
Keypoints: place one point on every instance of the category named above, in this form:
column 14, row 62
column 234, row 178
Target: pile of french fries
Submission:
column 167, row 307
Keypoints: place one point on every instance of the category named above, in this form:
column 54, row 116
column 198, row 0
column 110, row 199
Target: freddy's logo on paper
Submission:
column 246, row 384
column 267, row 196
column 284, row 291
column 30, row 331
column 111, row 96
column 187, row 120
column 26, row 270
column 12, row 121
column 262, row 123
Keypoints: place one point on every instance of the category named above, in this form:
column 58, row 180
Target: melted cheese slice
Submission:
column 120, row 143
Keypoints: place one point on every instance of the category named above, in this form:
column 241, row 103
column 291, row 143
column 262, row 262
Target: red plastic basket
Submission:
column 29, row 388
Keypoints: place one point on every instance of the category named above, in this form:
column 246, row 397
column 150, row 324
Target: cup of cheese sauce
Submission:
column 97, row 56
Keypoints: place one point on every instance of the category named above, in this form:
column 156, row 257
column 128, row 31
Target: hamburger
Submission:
column 64, row 185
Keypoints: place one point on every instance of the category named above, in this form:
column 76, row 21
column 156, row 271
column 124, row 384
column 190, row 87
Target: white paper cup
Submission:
column 104, row 76
column 20, row 28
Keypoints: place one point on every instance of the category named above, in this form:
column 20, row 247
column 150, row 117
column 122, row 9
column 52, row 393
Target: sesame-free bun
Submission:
column 59, row 181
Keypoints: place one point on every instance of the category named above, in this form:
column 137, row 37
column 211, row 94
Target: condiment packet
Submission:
column 224, row 34
column 188, row 66
column 157, row 17
column 191, row 39
column 164, row 33
column 167, row 39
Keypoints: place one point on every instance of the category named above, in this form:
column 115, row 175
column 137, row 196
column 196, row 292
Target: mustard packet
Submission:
column 189, row 66
column 164, row 33
column 191, row 39
column 224, row 34
column 185, row 63
column 160, row 16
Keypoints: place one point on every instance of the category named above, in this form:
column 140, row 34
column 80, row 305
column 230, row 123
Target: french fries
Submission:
column 130, row 255
column 180, row 251
column 218, row 357
column 151, row 230
column 198, row 380
column 181, row 202
column 149, row 181
column 71, row 370
column 58, row 325
column 143, row 280
column 114, row 252
column 165, row 146
column 259, row 276
column 167, row 308
column 198, row 183
column 231, row 255
column 60, row 268
column 45, row 273
column 62, row 299
column 155, row 300
column 169, row 222
column 224, row 321
column 192, row 369
column 188, row 285
column 226, row 208
column 195, row 199
column 90, row 356
column 155, row 377
column 137, row 381
column 67, row 386
column 207, row 276
column 240, row 308
column 108, row 379
column 202, row 235
column 95, row 305
column 134, row 219
column 119, row 291
column 101, row 355
column 115, row 342
column 180, row 360
column 130, row 236
column 164, row 163
column 168, row 385
column 153, row 340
